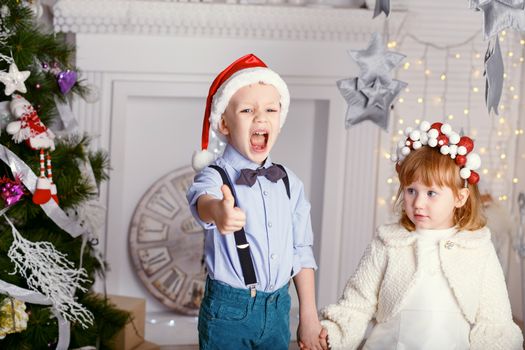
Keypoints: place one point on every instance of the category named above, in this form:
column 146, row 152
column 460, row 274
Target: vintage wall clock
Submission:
column 166, row 243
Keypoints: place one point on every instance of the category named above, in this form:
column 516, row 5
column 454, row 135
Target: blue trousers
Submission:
column 230, row 319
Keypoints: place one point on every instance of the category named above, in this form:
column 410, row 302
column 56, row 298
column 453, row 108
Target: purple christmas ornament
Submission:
column 66, row 79
column 11, row 192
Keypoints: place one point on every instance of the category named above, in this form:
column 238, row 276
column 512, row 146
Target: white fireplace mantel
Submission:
column 216, row 20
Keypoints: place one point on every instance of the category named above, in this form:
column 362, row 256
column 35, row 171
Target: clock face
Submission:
column 166, row 243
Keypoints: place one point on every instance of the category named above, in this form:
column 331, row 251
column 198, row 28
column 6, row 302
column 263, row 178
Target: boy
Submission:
column 256, row 218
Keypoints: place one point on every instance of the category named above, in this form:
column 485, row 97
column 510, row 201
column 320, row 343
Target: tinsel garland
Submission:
column 27, row 176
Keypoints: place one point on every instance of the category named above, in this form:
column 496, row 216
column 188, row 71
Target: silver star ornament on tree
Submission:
column 500, row 14
column 375, row 61
column 14, row 80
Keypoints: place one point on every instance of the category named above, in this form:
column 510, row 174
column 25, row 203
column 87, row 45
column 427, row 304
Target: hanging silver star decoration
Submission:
column 493, row 76
column 370, row 95
column 14, row 80
column 500, row 14
column 368, row 102
column 375, row 61
column 382, row 6
column 376, row 95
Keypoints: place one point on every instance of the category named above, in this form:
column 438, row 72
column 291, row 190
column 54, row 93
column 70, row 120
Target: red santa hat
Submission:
column 245, row 71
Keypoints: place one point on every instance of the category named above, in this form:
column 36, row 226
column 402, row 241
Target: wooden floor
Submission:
column 293, row 345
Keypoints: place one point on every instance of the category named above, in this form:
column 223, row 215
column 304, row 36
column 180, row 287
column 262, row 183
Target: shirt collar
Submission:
column 238, row 162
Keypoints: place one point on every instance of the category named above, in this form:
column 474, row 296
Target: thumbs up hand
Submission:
column 228, row 218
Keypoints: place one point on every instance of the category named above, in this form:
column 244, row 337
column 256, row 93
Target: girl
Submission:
column 432, row 281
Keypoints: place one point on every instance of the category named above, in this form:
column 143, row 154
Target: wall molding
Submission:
column 214, row 20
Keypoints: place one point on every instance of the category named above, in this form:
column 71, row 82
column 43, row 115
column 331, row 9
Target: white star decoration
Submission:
column 376, row 62
column 14, row 80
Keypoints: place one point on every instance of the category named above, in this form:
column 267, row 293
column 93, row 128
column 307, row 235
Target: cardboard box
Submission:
column 132, row 335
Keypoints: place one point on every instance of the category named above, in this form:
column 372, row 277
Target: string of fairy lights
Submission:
column 447, row 84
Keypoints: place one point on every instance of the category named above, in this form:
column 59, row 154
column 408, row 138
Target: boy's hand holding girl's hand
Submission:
column 312, row 336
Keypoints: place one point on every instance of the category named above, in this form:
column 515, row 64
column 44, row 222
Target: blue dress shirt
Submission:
column 278, row 228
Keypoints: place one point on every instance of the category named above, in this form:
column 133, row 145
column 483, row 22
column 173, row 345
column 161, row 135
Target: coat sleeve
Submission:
column 347, row 320
column 494, row 328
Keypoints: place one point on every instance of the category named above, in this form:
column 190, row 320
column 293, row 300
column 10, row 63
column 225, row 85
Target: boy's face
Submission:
column 251, row 121
column 432, row 207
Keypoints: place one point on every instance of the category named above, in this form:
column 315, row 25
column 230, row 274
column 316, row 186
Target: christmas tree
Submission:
column 49, row 180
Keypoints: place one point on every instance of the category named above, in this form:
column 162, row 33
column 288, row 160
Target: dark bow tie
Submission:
column 249, row 176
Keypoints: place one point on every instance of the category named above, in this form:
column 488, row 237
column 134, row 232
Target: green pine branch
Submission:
column 35, row 50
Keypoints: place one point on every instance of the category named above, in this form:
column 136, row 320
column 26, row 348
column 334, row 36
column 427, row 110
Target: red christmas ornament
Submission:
column 442, row 140
column 29, row 128
column 474, row 177
column 437, row 126
column 461, row 160
column 466, row 142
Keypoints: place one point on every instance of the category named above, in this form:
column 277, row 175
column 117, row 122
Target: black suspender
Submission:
column 243, row 247
column 285, row 180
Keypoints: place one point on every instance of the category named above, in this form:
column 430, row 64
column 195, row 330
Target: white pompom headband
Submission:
column 448, row 142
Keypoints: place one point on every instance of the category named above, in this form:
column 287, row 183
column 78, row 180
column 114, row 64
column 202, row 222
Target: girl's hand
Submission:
column 323, row 338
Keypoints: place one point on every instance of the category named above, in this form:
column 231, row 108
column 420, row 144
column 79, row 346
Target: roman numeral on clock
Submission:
column 154, row 259
column 164, row 203
column 170, row 283
column 151, row 230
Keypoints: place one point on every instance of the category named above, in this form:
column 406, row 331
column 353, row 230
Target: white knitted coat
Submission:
column 388, row 269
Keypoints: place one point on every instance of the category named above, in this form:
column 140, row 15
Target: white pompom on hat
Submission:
column 245, row 71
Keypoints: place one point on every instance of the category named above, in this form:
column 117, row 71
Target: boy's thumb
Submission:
column 227, row 194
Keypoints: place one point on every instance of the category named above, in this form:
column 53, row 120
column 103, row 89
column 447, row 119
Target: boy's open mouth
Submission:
column 259, row 140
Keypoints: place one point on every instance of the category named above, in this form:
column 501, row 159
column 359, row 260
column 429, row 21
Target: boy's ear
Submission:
column 462, row 197
column 223, row 128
